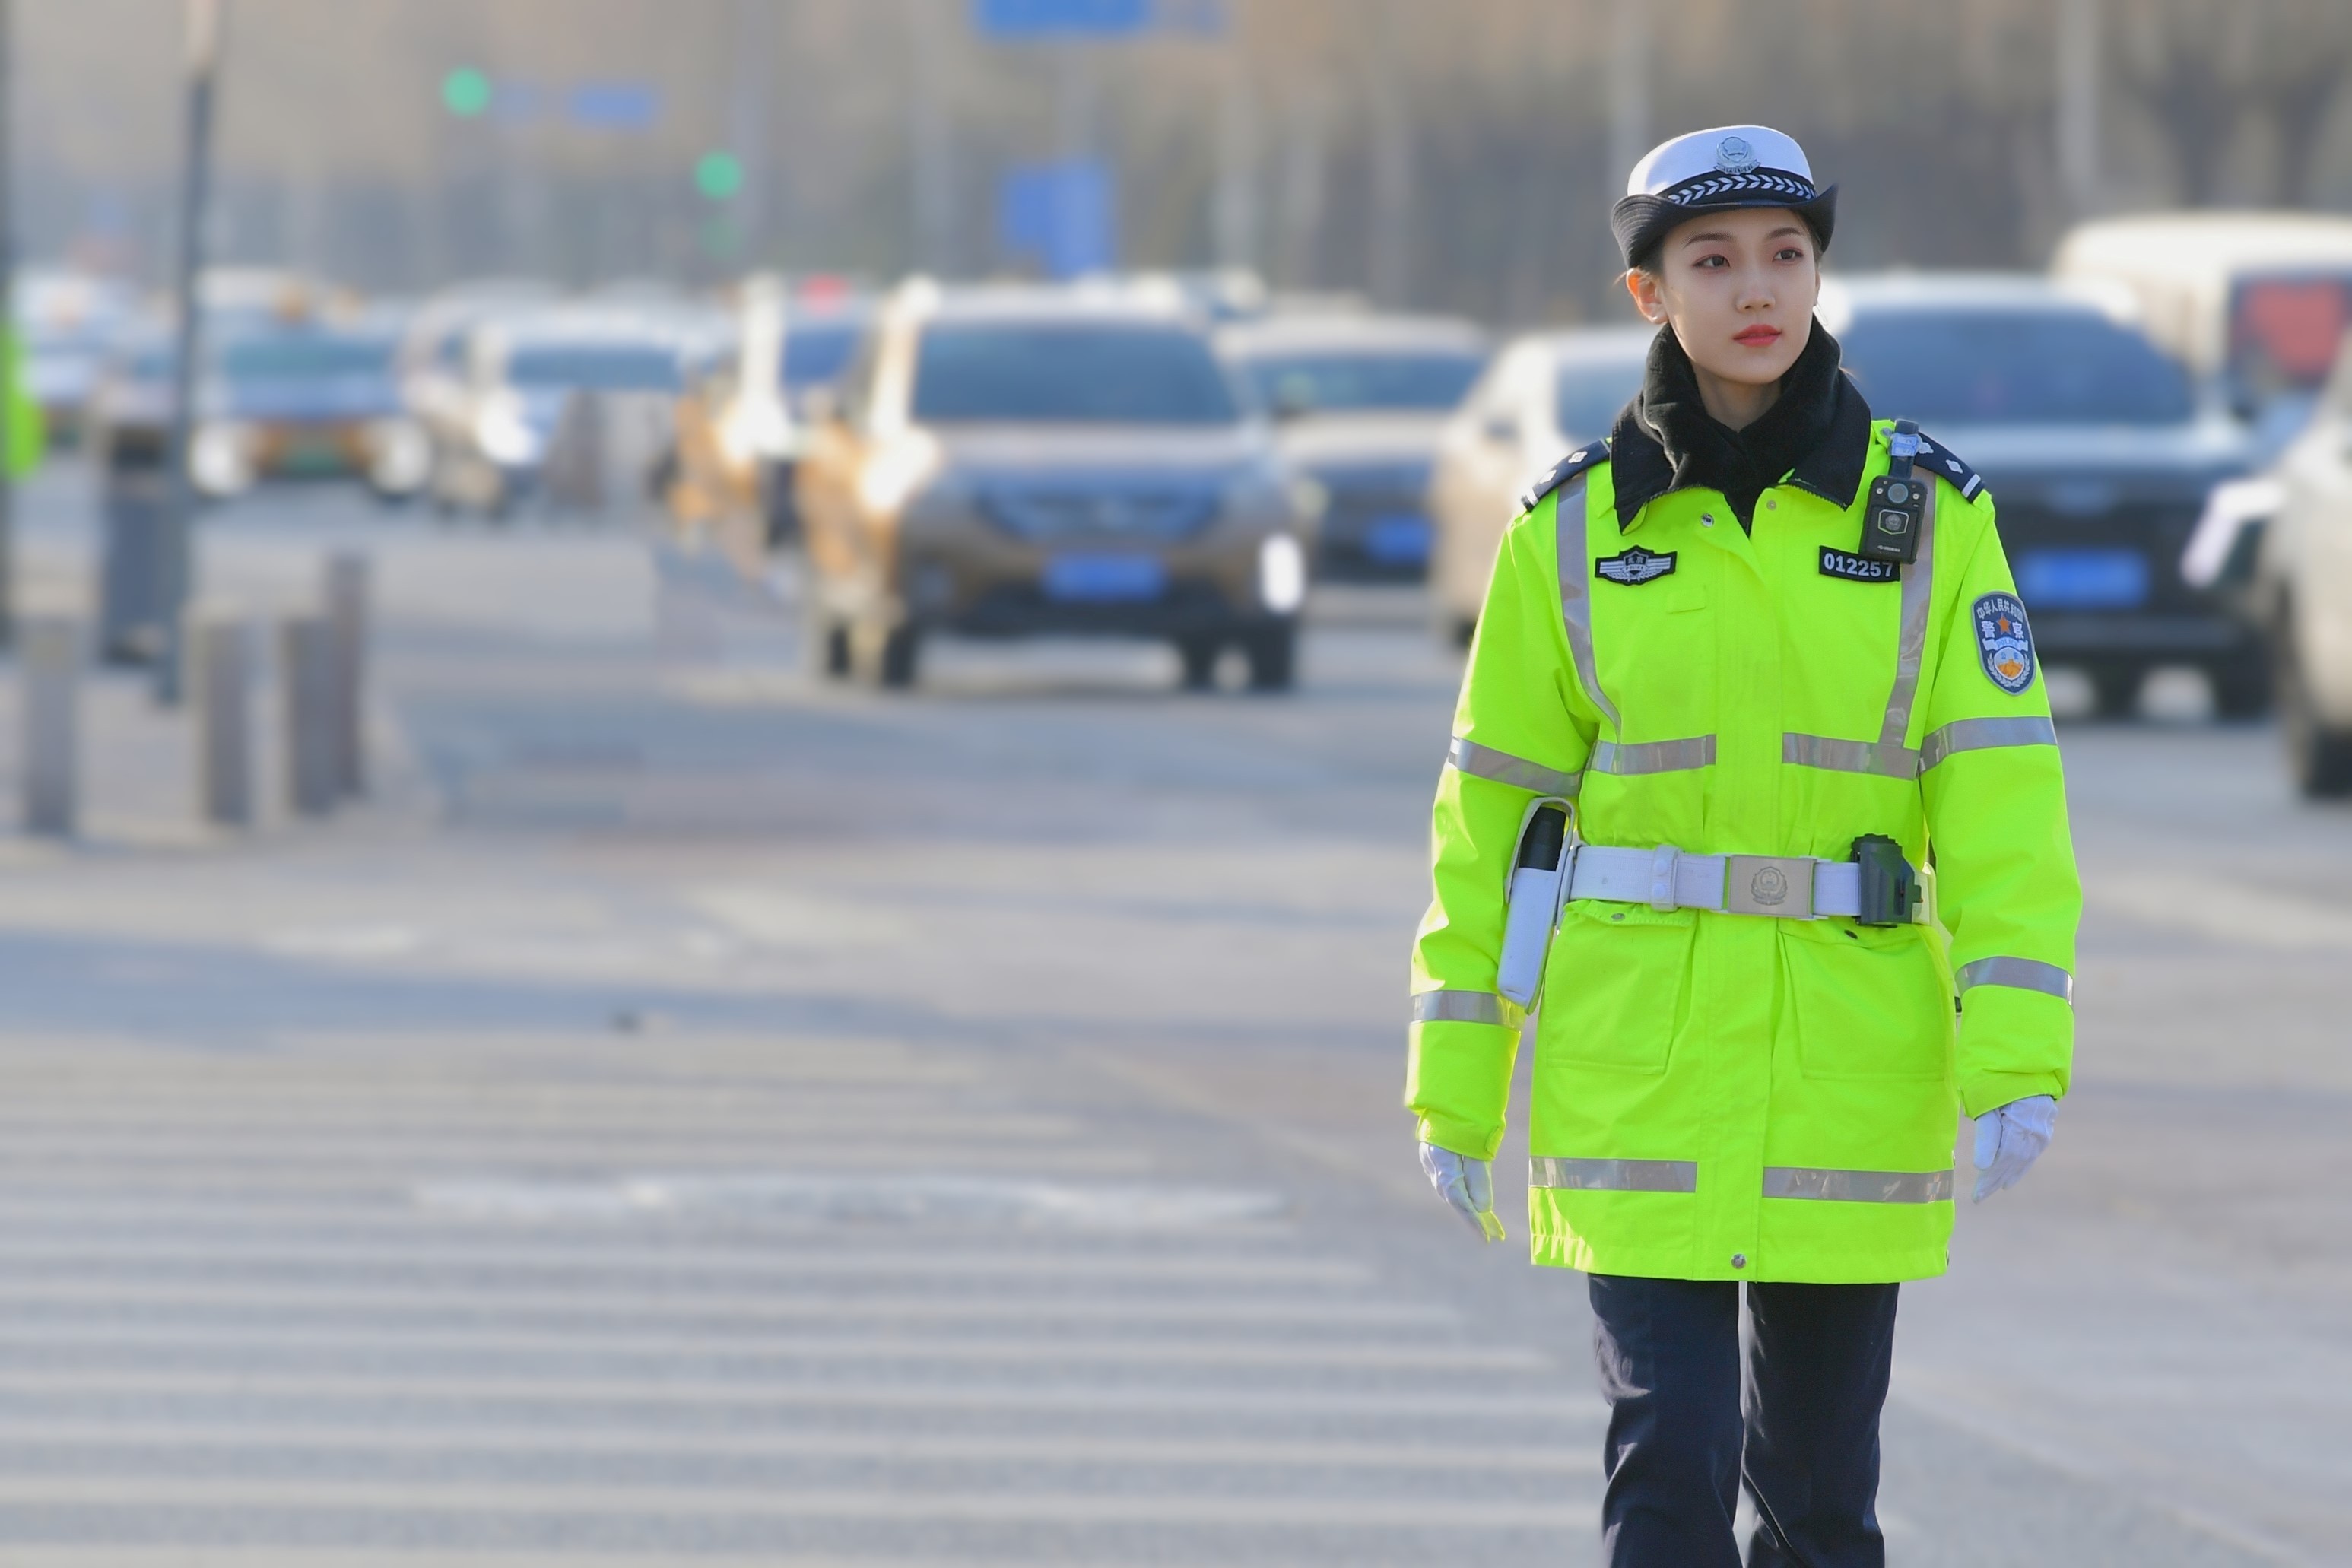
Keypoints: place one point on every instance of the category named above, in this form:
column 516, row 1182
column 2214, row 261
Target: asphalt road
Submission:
column 692, row 1114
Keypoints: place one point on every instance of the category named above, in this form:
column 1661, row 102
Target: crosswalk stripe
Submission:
column 476, row 1439
column 510, row 1256
column 735, row 1393
column 522, row 1346
column 913, row 1506
column 557, row 1313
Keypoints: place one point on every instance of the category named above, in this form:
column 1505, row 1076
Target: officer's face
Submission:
column 1739, row 287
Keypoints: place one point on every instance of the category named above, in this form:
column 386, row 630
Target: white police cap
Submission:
column 1709, row 171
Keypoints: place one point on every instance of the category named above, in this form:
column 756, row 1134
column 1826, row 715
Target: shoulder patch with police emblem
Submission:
column 1590, row 455
column 2004, row 642
column 1636, row 566
column 1939, row 459
column 1855, row 568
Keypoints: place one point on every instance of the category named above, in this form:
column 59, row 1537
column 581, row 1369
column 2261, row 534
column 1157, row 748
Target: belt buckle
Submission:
column 1777, row 885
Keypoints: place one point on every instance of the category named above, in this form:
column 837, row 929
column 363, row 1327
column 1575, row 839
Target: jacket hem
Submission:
column 1552, row 1249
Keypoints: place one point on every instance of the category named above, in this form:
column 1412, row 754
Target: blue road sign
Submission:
column 1060, row 216
column 1063, row 18
column 613, row 105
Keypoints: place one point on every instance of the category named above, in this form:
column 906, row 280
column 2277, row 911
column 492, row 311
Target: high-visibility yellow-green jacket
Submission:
column 1725, row 1096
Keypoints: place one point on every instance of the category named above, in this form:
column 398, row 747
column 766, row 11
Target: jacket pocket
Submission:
column 1617, row 985
column 1868, row 1004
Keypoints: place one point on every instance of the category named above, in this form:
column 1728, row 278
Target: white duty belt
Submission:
column 1788, row 887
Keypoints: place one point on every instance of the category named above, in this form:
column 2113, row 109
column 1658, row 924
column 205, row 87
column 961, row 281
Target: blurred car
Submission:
column 310, row 399
column 431, row 366
column 2253, row 304
column 1008, row 461
column 1358, row 402
column 2300, row 590
column 1544, row 395
column 67, row 323
column 740, row 430
column 525, row 373
column 2098, row 451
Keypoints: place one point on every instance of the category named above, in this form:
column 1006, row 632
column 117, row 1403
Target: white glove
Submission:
column 2010, row 1139
column 1468, row 1184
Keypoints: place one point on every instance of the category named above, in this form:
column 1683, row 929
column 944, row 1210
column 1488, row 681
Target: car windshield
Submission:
column 1342, row 381
column 598, row 367
column 1587, row 396
column 304, row 358
column 2013, row 367
column 1082, row 373
column 816, row 352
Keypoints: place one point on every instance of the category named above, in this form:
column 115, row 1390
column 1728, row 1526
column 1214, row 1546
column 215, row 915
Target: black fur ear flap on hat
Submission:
column 1729, row 167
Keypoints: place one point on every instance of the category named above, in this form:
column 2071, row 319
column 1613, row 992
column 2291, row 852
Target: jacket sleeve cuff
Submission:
column 1470, row 1141
column 1981, row 1092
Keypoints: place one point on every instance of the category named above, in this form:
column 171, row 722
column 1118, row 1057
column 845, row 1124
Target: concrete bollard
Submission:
column 52, row 649
column 306, row 662
column 217, row 650
column 347, row 609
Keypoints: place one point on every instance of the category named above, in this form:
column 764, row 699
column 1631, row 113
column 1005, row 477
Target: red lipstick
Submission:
column 1758, row 337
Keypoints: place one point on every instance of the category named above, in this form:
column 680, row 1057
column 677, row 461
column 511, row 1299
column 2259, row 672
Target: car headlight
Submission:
column 894, row 475
column 505, row 437
column 220, row 459
column 400, row 456
column 1281, row 574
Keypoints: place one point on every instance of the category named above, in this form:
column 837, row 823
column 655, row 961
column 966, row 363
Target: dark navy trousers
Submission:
column 1685, row 1426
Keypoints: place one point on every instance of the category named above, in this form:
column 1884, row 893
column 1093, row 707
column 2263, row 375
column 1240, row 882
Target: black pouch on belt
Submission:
column 1889, row 893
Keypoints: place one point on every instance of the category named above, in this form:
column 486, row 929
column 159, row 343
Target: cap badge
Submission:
column 1733, row 155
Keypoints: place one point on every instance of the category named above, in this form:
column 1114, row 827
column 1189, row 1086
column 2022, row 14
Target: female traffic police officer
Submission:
column 1754, row 739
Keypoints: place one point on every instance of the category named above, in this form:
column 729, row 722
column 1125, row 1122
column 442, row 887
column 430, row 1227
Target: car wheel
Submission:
column 2242, row 689
column 1273, row 658
column 1200, row 659
column 2116, row 689
column 2318, row 756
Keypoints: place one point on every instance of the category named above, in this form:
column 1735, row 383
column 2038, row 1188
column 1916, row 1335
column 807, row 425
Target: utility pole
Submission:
column 2078, row 104
column 1390, row 258
column 205, row 19
column 1629, row 93
column 1236, row 208
column 933, row 215
column 747, row 121
column 12, row 349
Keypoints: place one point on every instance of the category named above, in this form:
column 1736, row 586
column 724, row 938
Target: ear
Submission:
column 1643, row 286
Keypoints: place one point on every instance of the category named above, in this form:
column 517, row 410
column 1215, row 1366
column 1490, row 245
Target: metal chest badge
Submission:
column 2004, row 642
column 1636, row 566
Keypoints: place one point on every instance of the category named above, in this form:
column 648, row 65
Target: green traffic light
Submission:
column 465, row 92
column 719, row 175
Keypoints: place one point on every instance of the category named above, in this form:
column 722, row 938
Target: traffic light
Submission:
column 719, row 175
column 465, row 92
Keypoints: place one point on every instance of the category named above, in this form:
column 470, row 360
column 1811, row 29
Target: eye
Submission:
column 1789, row 253
column 1714, row 261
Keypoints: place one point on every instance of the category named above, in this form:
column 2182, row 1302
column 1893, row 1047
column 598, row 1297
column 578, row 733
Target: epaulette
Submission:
column 1590, row 455
column 1940, row 457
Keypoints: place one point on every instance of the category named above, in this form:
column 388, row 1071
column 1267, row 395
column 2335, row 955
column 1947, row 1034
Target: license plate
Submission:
column 312, row 457
column 1398, row 538
column 2082, row 579
column 1105, row 579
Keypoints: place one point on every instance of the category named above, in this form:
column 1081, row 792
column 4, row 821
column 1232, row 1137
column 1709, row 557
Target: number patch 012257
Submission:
column 1855, row 568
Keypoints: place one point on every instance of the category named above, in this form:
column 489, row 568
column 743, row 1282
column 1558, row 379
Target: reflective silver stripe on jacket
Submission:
column 2022, row 974
column 1501, row 767
column 1614, row 1176
column 1918, row 599
column 1653, row 756
column 1984, row 734
column 1858, row 1187
column 1462, row 1007
column 1888, row 757
column 1576, row 593
column 1898, row 761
